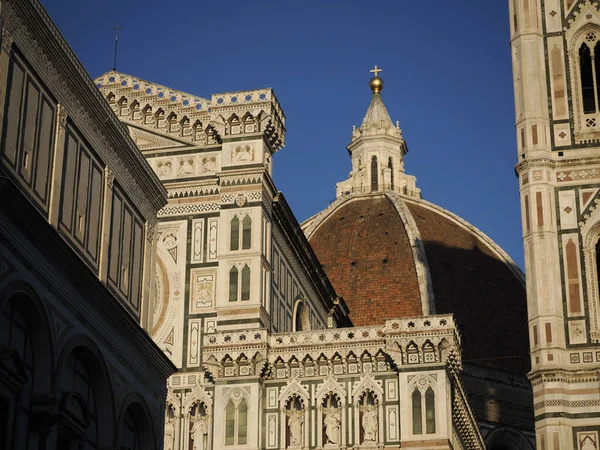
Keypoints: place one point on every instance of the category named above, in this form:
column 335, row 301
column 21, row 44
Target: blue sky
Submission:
column 446, row 67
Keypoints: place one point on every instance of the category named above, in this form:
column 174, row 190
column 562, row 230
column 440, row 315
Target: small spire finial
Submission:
column 376, row 83
column 116, row 28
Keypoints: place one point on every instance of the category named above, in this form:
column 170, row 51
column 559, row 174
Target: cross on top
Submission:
column 376, row 70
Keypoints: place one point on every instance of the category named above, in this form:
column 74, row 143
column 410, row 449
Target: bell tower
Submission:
column 555, row 46
column 377, row 149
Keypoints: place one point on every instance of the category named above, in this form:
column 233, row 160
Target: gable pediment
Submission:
column 148, row 140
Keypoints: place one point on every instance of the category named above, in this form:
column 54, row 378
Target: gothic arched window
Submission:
column 374, row 177
column 246, row 232
column 391, row 167
column 417, row 412
column 586, row 72
column 236, row 422
column 423, row 411
column 233, row 284
column 245, row 283
column 234, row 241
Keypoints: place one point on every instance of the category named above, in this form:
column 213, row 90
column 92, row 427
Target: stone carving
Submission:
column 204, row 290
column 332, row 422
column 7, row 40
column 186, row 166
column 208, row 164
column 164, row 168
column 241, row 199
column 369, row 423
column 242, row 153
column 198, row 432
column 295, row 422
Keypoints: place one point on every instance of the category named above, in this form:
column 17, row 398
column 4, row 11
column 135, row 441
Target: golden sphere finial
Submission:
column 376, row 83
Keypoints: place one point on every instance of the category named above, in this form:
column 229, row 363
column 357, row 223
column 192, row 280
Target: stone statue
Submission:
column 295, row 421
column 197, row 432
column 169, row 433
column 369, row 423
column 333, row 421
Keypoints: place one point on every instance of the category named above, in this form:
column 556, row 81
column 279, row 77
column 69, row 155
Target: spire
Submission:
column 377, row 150
column 377, row 119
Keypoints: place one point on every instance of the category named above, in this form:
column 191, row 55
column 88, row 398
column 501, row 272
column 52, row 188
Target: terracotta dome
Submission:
column 391, row 255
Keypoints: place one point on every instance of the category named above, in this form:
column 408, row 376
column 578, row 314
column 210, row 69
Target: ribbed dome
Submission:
column 393, row 256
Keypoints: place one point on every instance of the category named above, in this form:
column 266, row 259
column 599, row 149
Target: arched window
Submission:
column 236, row 422
column 131, row 439
column 15, row 334
column 429, row 411
column 423, row 411
column 374, row 174
column 233, row 284
column 246, row 232
column 234, row 241
column 417, row 412
column 76, row 385
column 587, row 79
column 245, row 283
column 391, row 167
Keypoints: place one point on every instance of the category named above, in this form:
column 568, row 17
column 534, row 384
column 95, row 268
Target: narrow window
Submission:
column 597, row 71
column 587, row 79
column 430, row 411
column 417, row 412
column 235, row 234
column 374, row 178
column 245, row 283
column 242, row 425
column 230, row 423
column 515, row 21
column 391, row 167
column 559, row 82
column 526, row 13
column 246, row 232
column 233, row 284
column 573, row 277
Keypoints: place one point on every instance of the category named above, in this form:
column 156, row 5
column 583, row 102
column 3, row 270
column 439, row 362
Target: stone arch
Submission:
column 26, row 369
column 27, row 300
column 590, row 236
column 507, row 439
column 145, row 431
column 301, row 315
column 84, row 349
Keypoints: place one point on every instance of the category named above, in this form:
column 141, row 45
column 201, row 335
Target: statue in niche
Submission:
column 169, row 432
column 198, row 429
column 295, row 421
column 332, row 421
column 369, row 423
